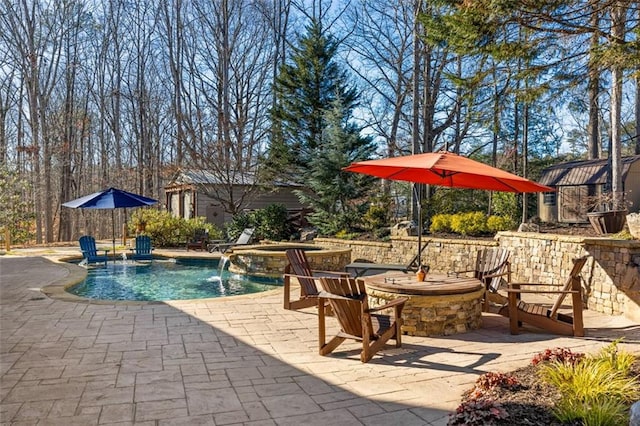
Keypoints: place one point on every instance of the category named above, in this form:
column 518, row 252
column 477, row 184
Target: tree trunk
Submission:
column 617, row 36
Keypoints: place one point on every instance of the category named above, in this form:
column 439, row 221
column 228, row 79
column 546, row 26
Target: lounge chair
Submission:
column 361, row 268
column 243, row 239
column 493, row 268
column 90, row 252
column 540, row 315
column 299, row 268
column 350, row 306
column 143, row 248
column 199, row 241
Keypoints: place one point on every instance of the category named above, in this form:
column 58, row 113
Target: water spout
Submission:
column 124, row 257
column 224, row 263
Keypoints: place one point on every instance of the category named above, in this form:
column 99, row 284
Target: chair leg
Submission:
column 287, row 292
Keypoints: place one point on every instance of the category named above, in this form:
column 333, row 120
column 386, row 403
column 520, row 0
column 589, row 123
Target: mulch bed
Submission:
column 532, row 402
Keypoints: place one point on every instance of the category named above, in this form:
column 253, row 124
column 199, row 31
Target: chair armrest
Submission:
column 338, row 274
column 301, row 276
column 326, row 295
column 391, row 304
column 536, row 284
column 499, row 274
column 520, row 291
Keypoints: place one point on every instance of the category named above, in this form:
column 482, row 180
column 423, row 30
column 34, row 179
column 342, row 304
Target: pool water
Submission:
column 167, row 280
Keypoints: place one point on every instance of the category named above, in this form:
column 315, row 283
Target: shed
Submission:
column 576, row 181
column 186, row 195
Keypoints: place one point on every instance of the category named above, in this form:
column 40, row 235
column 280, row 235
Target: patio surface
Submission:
column 238, row 360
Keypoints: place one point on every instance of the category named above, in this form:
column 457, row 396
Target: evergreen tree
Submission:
column 305, row 89
column 330, row 190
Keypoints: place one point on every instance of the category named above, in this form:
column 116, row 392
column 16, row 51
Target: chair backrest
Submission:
column 299, row 265
column 348, row 312
column 143, row 244
column 573, row 283
column 88, row 246
column 200, row 235
column 492, row 266
column 246, row 236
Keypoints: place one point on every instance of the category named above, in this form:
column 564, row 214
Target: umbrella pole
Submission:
column 417, row 190
column 113, row 234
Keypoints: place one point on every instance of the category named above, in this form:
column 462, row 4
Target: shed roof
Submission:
column 584, row 172
column 205, row 177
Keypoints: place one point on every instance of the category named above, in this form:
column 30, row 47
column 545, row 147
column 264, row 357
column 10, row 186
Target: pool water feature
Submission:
column 168, row 280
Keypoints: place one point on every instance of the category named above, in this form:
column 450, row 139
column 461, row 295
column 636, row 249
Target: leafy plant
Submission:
column 478, row 412
column 561, row 355
column 377, row 216
column 596, row 412
column 167, row 230
column 473, row 223
column 615, row 358
column 17, row 213
column 440, row 223
column 596, row 390
column 499, row 223
column 271, row 222
column 492, row 380
column 238, row 224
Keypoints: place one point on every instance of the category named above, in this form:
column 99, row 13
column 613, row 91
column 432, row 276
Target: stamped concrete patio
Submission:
column 238, row 360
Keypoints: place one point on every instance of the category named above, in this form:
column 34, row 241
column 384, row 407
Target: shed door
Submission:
column 572, row 203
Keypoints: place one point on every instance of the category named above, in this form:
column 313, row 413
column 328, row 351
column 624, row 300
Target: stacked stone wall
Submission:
column 611, row 277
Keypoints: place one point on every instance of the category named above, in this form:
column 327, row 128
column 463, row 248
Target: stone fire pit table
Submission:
column 439, row 306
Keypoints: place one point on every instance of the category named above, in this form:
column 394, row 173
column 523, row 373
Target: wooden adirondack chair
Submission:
column 90, row 252
column 540, row 315
column 299, row 268
column 199, row 241
column 493, row 269
column 143, row 248
column 348, row 299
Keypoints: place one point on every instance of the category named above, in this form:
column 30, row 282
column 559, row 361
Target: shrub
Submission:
column 615, row 359
column 596, row 390
column 473, row 223
column 167, row 230
column 492, row 380
column 271, row 222
column 440, row 223
column 376, row 216
column 345, row 235
column 499, row 223
column 238, row 223
column 478, row 412
column 562, row 355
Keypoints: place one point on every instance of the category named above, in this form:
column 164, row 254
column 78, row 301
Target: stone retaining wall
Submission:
column 611, row 277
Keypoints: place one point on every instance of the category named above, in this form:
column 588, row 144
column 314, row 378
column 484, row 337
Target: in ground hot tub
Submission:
column 269, row 260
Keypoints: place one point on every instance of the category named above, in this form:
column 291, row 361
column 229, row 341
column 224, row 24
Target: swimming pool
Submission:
column 167, row 280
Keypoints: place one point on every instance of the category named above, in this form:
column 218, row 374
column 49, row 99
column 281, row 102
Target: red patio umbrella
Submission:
column 445, row 169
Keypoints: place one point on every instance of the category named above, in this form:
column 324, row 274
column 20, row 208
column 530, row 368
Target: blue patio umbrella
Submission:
column 111, row 198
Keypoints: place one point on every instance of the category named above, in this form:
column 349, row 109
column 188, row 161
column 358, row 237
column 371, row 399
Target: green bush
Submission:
column 271, row 223
column 473, row 223
column 376, row 216
column 441, row 223
column 499, row 223
column 167, row 230
column 505, row 204
column 239, row 223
